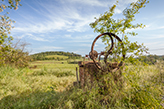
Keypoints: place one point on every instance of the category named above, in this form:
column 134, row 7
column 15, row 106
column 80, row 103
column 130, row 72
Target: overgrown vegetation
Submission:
column 142, row 88
column 139, row 92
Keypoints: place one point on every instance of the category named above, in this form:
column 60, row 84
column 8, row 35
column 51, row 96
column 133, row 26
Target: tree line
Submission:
column 43, row 55
column 151, row 59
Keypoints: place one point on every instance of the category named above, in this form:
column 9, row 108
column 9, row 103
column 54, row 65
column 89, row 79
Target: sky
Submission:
column 63, row 25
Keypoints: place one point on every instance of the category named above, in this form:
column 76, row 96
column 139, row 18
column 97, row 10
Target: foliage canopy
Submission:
column 9, row 53
column 107, row 23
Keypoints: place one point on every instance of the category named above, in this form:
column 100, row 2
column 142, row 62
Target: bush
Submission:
column 14, row 55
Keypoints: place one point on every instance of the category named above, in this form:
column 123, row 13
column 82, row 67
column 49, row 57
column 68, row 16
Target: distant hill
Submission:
column 54, row 55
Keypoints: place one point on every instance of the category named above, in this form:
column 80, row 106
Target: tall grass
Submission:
column 142, row 87
column 24, row 88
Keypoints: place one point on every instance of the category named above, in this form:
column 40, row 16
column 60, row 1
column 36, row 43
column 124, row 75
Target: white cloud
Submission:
column 65, row 17
column 77, row 41
column 151, row 36
column 160, row 16
column 68, row 36
column 148, row 27
column 47, row 48
column 79, row 38
column 33, row 37
column 38, row 38
column 82, row 52
column 52, row 19
column 156, row 47
column 51, row 48
column 91, row 2
column 118, row 11
column 156, row 36
column 42, row 27
column 101, row 3
column 85, row 45
column 127, row 1
column 153, row 27
column 151, row 43
column 44, row 48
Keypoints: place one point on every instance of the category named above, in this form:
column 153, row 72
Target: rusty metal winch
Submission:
column 88, row 69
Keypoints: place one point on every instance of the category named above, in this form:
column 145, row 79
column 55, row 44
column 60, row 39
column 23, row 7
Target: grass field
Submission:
column 46, row 87
column 55, row 65
column 57, row 56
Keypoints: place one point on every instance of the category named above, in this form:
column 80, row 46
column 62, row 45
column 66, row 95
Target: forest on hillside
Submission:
column 43, row 55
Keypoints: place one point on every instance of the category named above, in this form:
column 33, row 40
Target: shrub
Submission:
column 14, row 55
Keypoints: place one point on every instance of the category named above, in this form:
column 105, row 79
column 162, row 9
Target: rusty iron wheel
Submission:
column 93, row 54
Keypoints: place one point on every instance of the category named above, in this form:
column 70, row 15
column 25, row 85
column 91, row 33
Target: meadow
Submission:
column 50, row 85
column 57, row 56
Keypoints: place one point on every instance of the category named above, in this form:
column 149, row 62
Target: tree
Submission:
column 106, row 23
column 6, row 26
column 17, row 55
column 6, row 22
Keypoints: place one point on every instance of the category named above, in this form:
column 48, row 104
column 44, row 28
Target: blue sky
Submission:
column 63, row 25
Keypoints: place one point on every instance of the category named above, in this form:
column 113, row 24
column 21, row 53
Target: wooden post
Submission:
column 77, row 76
